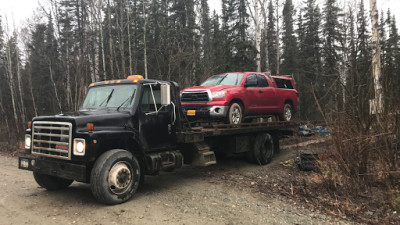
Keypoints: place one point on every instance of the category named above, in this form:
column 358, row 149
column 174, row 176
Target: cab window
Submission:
column 262, row 81
column 148, row 103
column 251, row 77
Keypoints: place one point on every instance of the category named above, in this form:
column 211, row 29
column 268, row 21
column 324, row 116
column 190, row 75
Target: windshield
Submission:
column 117, row 96
column 224, row 79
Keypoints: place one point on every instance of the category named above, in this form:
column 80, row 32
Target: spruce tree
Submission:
column 309, row 59
column 271, row 38
column 363, row 74
column 207, row 62
column 289, row 43
column 331, row 75
column 392, row 56
column 240, row 53
column 218, row 48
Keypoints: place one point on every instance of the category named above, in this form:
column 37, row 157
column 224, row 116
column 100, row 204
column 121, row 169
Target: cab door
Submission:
column 156, row 125
column 254, row 94
column 268, row 98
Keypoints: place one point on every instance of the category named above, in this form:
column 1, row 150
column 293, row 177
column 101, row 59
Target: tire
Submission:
column 51, row 183
column 263, row 149
column 287, row 113
column 235, row 114
column 115, row 177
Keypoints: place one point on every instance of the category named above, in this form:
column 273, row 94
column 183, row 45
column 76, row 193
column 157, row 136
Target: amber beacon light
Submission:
column 134, row 77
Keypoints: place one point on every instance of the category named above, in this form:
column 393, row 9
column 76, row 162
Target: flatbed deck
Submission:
column 199, row 133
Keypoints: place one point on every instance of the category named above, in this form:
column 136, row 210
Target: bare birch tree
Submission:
column 377, row 103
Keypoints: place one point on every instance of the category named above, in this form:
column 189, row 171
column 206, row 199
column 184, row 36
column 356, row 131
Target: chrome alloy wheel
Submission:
column 288, row 113
column 236, row 115
column 120, row 178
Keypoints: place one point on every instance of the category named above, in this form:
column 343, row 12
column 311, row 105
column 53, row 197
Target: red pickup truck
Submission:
column 236, row 96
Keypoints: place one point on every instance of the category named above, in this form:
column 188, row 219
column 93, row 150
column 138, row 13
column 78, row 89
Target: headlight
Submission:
column 218, row 94
column 28, row 141
column 79, row 146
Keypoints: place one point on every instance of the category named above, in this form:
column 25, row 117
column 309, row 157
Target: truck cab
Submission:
column 133, row 118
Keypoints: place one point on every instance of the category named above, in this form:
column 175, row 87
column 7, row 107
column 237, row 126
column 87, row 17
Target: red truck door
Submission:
column 253, row 94
column 268, row 99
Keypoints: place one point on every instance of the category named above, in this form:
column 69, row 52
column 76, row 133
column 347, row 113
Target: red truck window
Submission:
column 262, row 81
column 283, row 83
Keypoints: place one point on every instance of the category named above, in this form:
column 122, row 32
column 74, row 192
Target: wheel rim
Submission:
column 235, row 115
column 288, row 114
column 120, row 178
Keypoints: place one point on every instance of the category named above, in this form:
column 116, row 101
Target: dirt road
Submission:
column 218, row 194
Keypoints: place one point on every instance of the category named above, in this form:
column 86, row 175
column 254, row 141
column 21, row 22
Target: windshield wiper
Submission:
column 108, row 98
column 220, row 81
column 126, row 100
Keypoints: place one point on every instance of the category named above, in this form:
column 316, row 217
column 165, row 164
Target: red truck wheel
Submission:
column 287, row 113
column 235, row 114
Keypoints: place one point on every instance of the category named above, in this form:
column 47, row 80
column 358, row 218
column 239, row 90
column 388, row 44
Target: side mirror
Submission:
column 250, row 83
column 165, row 94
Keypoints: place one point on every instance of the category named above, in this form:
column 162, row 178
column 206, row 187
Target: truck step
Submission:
column 201, row 147
column 204, row 158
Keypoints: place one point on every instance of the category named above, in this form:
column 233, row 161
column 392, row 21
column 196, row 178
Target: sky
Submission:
column 19, row 11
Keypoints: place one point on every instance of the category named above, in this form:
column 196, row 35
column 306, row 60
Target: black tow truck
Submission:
column 129, row 128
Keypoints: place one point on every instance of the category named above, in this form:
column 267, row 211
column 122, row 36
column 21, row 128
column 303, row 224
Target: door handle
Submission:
column 260, row 91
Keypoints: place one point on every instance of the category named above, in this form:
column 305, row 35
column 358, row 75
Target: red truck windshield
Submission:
column 224, row 79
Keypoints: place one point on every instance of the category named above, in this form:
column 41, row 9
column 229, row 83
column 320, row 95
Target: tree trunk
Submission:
column 277, row 38
column 5, row 119
column 254, row 15
column 122, row 37
column 129, row 41
column 264, row 14
column 69, row 92
column 144, row 41
column 10, row 79
column 54, row 86
column 22, row 104
column 110, row 41
column 377, row 103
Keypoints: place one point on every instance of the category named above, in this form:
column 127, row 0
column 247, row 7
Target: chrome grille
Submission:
column 52, row 139
column 198, row 96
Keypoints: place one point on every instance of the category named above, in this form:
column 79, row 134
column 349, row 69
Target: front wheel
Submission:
column 51, row 183
column 115, row 177
column 287, row 113
column 235, row 114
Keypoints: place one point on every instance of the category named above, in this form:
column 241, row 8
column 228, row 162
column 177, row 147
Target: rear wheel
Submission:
column 51, row 183
column 287, row 113
column 263, row 149
column 235, row 114
column 115, row 177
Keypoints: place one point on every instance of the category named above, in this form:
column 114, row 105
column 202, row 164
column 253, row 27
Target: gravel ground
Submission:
column 212, row 195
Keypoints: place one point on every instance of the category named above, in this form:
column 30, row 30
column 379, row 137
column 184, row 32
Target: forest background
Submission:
column 47, row 64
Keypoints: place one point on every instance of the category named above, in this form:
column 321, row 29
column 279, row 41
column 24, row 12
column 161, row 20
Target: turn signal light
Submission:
column 29, row 124
column 89, row 126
